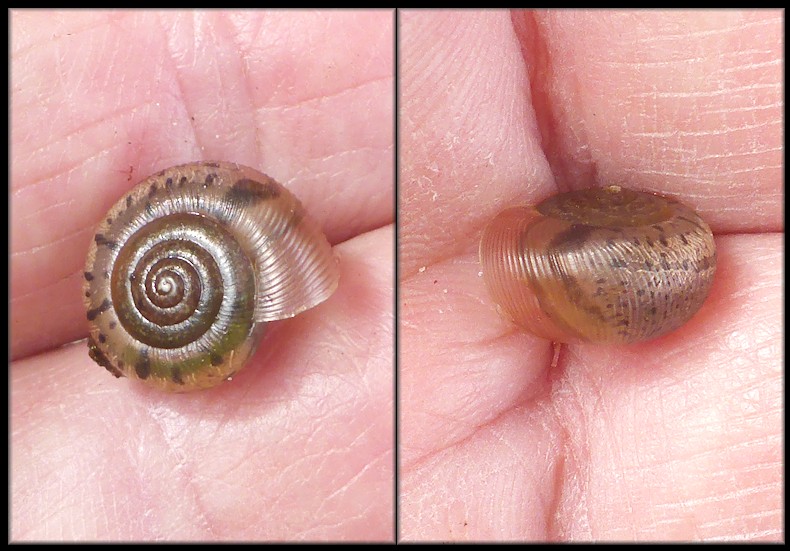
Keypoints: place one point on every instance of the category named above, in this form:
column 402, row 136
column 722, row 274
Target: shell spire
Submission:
column 187, row 268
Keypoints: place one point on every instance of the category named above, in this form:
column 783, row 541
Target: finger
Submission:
column 685, row 103
column 297, row 446
column 134, row 106
column 465, row 138
column 468, row 133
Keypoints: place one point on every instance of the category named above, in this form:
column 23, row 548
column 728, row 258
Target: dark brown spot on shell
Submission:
column 128, row 201
column 175, row 376
column 249, row 192
column 216, row 359
column 103, row 307
column 88, row 276
column 574, row 236
column 100, row 358
column 101, row 240
column 689, row 221
column 169, row 184
column 102, row 338
column 143, row 366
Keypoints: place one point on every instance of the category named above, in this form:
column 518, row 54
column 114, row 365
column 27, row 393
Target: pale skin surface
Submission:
column 299, row 446
column 676, row 439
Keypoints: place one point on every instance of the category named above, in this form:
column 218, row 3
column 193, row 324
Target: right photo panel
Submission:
column 590, row 276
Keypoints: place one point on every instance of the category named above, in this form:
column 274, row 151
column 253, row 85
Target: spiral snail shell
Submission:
column 186, row 269
column 607, row 265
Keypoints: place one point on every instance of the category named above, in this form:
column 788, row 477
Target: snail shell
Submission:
column 605, row 265
column 187, row 268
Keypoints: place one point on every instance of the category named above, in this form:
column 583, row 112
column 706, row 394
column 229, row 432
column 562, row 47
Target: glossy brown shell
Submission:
column 186, row 269
column 605, row 265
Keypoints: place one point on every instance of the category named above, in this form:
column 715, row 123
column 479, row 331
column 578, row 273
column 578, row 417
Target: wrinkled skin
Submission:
column 676, row 439
column 680, row 438
column 295, row 446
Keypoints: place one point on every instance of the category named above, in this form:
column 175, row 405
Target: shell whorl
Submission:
column 600, row 265
column 187, row 268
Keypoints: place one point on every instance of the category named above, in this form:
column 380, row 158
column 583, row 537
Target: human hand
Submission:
column 295, row 446
column 679, row 438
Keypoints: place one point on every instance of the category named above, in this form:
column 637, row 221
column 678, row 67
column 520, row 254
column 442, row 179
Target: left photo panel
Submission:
column 202, row 262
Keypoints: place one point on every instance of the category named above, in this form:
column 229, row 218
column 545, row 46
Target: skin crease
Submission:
column 299, row 446
column 675, row 439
